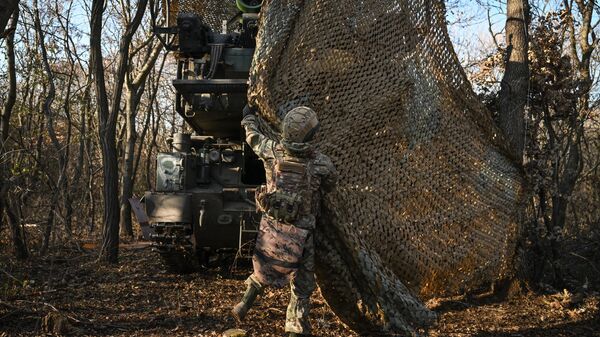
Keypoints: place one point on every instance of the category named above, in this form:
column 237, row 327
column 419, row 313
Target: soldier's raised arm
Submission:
column 327, row 171
column 331, row 179
column 260, row 144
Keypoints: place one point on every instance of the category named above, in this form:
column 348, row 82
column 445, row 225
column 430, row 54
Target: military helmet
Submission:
column 300, row 125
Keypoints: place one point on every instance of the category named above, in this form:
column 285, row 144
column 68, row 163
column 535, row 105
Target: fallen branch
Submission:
column 12, row 277
column 39, row 303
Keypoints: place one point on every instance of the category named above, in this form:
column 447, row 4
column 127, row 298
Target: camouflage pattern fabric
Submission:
column 302, row 286
column 278, row 252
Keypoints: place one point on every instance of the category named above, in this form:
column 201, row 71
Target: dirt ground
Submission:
column 69, row 293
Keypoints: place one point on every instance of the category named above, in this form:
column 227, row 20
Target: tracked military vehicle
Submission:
column 203, row 200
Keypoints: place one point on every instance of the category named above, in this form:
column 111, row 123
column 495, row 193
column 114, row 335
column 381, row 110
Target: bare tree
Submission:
column 59, row 185
column 5, row 184
column 135, row 86
column 107, row 128
column 566, row 124
column 108, row 118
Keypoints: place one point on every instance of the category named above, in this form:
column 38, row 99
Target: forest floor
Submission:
column 69, row 293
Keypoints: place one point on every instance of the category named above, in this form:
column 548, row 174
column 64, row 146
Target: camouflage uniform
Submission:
column 322, row 177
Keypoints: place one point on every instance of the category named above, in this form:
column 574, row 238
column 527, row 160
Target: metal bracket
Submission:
column 159, row 31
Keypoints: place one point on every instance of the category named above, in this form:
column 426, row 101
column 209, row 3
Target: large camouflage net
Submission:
column 428, row 203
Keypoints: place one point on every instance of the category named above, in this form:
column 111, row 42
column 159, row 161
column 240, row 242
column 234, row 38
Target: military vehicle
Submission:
column 203, row 200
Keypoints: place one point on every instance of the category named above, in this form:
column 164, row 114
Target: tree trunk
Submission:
column 108, row 119
column 7, row 8
column 90, row 148
column 7, row 109
column 127, row 183
column 49, row 224
column 61, row 151
column 156, row 119
column 515, row 83
column 512, row 101
column 12, row 83
column 18, row 236
column 135, row 89
column 107, row 129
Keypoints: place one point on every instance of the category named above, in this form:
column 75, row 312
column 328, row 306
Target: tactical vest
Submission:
column 288, row 195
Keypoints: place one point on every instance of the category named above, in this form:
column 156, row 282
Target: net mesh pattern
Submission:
column 212, row 12
column 428, row 203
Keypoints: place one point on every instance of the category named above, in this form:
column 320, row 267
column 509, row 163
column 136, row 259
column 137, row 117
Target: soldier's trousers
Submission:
column 302, row 286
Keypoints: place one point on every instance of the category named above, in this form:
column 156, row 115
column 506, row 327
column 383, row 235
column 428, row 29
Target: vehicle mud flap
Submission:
column 141, row 216
column 196, row 225
column 278, row 252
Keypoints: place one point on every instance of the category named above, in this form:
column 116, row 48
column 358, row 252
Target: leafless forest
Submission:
column 87, row 103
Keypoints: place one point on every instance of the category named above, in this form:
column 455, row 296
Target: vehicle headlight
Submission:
column 214, row 156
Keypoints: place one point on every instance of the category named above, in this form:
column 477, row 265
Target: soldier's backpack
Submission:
column 287, row 196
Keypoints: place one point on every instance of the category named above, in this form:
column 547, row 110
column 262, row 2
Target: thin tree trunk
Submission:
column 108, row 120
column 12, row 83
column 18, row 236
column 66, row 191
column 154, row 91
column 138, row 155
column 156, row 117
column 80, row 153
column 515, row 83
column 49, row 113
column 7, row 110
column 127, row 183
column 134, row 91
column 89, row 150
column 49, row 224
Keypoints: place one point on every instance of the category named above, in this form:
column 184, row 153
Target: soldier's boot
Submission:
column 240, row 310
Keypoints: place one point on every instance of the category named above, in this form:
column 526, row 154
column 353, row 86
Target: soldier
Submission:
column 296, row 174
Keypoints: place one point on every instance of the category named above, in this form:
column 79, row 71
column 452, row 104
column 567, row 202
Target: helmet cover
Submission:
column 300, row 125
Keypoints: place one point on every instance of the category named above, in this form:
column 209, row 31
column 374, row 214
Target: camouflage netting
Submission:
column 212, row 12
column 428, row 203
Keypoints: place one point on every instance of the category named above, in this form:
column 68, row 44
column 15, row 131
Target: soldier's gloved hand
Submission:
column 249, row 110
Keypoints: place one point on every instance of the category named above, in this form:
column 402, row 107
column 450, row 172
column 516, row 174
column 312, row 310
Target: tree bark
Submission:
column 107, row 129
column 7, row 109
column 12, row 82
column 127, row 183
column 108, row 119
column 134, row 90
column 7, row 8
column 156, row 119
column 515, row 83
column 61, row 151
column 20, row 245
